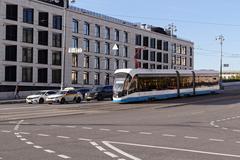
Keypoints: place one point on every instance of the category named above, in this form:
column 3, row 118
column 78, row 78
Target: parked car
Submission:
column 64, row 96
column 39, row 97
column 99, row 93
column 83, row 91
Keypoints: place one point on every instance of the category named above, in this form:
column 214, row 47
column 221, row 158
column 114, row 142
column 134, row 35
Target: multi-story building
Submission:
column 35, row 37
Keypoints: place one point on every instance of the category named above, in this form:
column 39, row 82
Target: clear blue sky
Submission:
column 198, row 21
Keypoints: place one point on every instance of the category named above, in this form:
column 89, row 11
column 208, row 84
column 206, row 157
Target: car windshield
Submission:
column 61, row 92
column 40, row 93
column 97, row 89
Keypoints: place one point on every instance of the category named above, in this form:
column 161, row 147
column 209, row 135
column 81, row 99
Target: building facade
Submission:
column 35, row 37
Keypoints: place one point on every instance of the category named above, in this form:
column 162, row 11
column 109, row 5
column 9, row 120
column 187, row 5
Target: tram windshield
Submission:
column 121, row 83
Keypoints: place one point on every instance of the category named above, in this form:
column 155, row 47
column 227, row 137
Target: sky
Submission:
column 200, row 21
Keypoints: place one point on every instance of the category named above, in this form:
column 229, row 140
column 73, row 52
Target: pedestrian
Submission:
column 16, row 92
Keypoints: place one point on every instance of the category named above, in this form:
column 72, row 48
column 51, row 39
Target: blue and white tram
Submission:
column 138, row 85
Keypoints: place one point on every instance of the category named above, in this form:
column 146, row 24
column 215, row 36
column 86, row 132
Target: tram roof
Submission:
column 169, row 71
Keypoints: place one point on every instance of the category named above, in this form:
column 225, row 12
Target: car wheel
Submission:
column 78, row 100
column 100, row 98
column 62, row 101
column 41, row 101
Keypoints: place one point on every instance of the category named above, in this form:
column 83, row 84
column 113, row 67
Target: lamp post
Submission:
column 172, row 28
column 220, row 38
column 64, row 50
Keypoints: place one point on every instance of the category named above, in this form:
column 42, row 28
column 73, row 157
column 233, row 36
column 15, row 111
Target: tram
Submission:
column 138, row 85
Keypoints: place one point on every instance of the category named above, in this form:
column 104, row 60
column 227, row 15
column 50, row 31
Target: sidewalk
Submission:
column 12, row 101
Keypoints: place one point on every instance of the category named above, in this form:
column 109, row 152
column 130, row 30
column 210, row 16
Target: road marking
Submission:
column 94, row 143
column 18, row 124
column 189, row 137
column 49, row 151
column 216, row 126
column 216, row 140
column 18, row 136
column 146, row 133
column 29, row 142
column 38, row 147
column 237, row 141
column 111, row 154
column 63, row 137
column 53, row 125
column 63, row 156
column 109, row 144
column 1, row 158
column 26, row 133
column 6, row 131
column 86, row 128
column 71, row 126
column 224, row 128
column 23, row 139
column 104, row 129
column 236, row 130
column 84, row 139
column 168, row 135
column 212, row 123
column 123, row 131
column 100, row 148
column 43, row 135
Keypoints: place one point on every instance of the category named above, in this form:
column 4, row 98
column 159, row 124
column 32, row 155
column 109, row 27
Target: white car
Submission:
column 64, row 96
column 39, row 97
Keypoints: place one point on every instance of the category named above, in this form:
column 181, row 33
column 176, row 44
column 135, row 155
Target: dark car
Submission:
column 83, row 91
column 100, row 93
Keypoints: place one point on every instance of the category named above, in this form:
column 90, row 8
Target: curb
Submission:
column 12, row 101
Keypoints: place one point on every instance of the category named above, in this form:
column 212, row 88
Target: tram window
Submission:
column 206, row 81
column 186, row 82
column 132, row 87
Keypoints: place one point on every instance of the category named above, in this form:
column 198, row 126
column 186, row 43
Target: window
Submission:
column 74, row 42
column 116, row 64
column 97, row 47
column 57, row 22
column 153, row 43
column 42, row 75
column 85, row 78
column 145, row 41
column 97, row 79
column 56, row 58
column 12, row 12
column 56, row 76
column 43, row 38
column 145, row 65
column 74, row 60
column 86, row 62
column 174, row 50
column 11, row 32
column 57, row 40
column 191, row 62
column 159, row 44
column 125, row 51
column 165, row 46
column 27, row 35
column 86, row 29
column 125, row 64
column 159, row 56
column 11, row 53
column 74, row 77
column 43, row 19
column 145, row 55
column 183, row 61
column 43, row 56
column 138, row 40
column 178, row 60
column 116, row 35
column 125, row 37
column 165, row 58
column 97, row 63
column 107, row 63
column 28, row 15
column 174, row 59
column 97, row 30
column 138, row 53
column 152, row 56
column 107, row 33
column 75, row 26
column 191, row 51
column 86, row 45
column 116, row 52
column 152, row 66
column 27, row 74
column 138, row 64
column 10, row 73
column 107, row 79
column 159, row 66
column 27, row 55
column 107, row 48
column 165, row 67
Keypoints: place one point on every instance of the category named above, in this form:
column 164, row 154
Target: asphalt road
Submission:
column 191, row 128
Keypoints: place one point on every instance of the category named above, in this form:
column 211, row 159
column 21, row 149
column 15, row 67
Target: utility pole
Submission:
column 172, row 28
column 220, row 38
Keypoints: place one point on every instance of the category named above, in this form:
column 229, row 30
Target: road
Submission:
column 191, row 128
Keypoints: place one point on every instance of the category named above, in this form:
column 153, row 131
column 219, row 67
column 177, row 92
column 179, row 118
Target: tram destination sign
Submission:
column 54, row 2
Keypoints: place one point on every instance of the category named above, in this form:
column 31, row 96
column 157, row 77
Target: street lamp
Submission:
column 220, row 38
column 172, row 28
column 64, row 50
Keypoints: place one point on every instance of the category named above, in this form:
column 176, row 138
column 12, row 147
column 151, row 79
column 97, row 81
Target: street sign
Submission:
column 225, row 65
column 115, row 47
column 75, row 50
